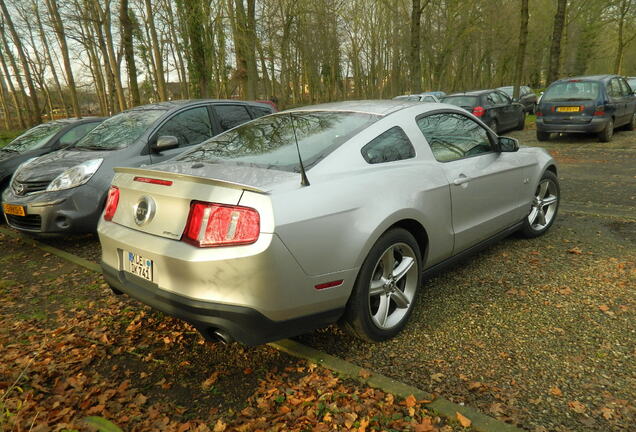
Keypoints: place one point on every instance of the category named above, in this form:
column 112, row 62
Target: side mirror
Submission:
column 507, row 144
column 166, row 142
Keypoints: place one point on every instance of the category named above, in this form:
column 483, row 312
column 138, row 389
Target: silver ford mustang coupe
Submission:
column 320, row 214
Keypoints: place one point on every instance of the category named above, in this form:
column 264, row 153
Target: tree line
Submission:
column 79, row 57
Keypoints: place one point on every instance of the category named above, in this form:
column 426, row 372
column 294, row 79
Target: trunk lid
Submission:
column 169, row 200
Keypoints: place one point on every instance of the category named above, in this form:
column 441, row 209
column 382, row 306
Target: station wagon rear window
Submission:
column 571, row 91
column 270, row 142
column 461, row 101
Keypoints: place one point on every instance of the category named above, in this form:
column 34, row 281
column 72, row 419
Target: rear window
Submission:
column 270, row 142
column 461, row 101
column 35, row 138
column 571, row 91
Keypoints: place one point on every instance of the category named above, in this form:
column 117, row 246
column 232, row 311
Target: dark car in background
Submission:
column 493, row 107
column 65, row 191
column 527, row 97
column 40, row 140
column 589, row 104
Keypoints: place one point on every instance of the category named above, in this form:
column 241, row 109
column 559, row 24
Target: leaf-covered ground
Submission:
column 70, row 350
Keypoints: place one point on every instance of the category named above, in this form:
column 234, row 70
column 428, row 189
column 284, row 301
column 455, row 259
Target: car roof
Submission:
column 588, row 78
column 471, row 93
column 175, row 104
column 381, row 107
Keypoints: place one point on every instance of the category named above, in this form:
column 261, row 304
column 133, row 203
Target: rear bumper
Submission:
column 243, row 324
column 596, row 125
column 69, row 211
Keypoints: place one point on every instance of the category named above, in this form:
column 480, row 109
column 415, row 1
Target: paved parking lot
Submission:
column 535, row 332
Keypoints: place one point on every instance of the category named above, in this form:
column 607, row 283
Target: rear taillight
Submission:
column 479, row 111
column 111, row 203
column 211, row 225
column 599, row 110
column 538, row 113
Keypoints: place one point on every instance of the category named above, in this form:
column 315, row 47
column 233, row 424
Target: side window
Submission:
column 614, row 88
column 492, row 99
column 261, row 111
column 625, row 90
column 453, row 136
column 73, row 135
column 390, row 146
column 232, row 115
column 190, row 127
column 504, row 97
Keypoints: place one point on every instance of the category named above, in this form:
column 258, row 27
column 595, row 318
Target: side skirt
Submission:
column 470, row 251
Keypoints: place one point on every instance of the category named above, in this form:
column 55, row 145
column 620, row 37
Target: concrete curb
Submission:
column 444, row 407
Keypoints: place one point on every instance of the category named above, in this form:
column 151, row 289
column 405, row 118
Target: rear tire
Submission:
column 522, row 121
column 606, row 134
column 545, row 206
column 632, row 123
column 542, row 136
column 384, row 294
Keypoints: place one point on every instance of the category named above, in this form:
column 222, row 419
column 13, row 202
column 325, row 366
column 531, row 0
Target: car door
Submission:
column 510, row 110
column 488, row 193
column 190, row 126
column 630, row 99
column 617, row 100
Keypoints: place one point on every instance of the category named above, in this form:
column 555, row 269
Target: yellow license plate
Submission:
column 11, row 209
column 568, row 109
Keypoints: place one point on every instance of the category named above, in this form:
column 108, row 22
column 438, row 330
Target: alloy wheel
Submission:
column 544, row 205
column 393, row 286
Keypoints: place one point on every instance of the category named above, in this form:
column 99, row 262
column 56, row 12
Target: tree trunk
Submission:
column 521, row 50
column 61, row 38
column 555, row 46
column 4, row 104
column 23, row 102
column 154, row 42
column 129, row 54
column 36, row 118
column 415, row 61
column 49, row 59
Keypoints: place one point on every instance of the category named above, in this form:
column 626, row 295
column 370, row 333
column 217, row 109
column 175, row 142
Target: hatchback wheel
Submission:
column 632, row 123
column 384, row 294
column 606, row 134
column 542, row 136
column 545, row 206
column 522, row 121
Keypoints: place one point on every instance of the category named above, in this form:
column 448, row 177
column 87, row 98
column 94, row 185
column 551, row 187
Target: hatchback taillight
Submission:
column 211, row 225
column 479, row 111
column 111, row 203
column 599, row 110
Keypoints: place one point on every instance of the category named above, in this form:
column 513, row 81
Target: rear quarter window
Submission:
column 392, row 145
column 260, row 111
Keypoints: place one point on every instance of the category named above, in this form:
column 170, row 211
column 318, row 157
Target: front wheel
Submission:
column 606, row 134
column 545, row 206
column 385, row 290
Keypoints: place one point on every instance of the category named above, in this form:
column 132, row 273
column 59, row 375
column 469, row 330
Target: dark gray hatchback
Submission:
column 592, row 104
column 65, row 191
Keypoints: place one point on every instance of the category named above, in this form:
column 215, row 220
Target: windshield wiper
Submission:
column 9, row 150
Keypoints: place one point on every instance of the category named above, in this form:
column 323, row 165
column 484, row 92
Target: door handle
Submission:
column 461, row 180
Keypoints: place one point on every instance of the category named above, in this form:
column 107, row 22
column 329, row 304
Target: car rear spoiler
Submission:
column 187, row 177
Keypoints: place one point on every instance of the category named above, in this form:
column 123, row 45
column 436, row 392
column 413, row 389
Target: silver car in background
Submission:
column 325, row 213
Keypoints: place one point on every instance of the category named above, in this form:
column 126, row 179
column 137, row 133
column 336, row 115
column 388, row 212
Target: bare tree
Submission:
column 521, row 51
column 555, row 45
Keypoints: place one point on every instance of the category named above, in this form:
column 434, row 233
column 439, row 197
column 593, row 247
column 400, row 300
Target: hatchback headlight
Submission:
column 75, row 176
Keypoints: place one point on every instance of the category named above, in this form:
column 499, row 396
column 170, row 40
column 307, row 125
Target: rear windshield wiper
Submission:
column 9, row 150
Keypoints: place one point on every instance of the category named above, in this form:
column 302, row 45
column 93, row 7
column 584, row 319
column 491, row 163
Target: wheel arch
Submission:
column 553, row 168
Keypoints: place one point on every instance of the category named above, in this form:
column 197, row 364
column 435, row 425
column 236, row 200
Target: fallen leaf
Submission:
column 437, row 377
column 556, row 391
column 219, row 426
column 577, row 407
column 364, row 373
column 425, row 426
column 463, row 420
column 607, row 413
column 575, row 250
column 410, row 401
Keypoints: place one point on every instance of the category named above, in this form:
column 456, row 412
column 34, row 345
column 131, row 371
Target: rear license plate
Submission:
column 568, row 109
column 15, row 210
column 139, row 266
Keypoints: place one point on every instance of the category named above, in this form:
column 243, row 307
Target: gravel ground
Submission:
column 535, row 332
